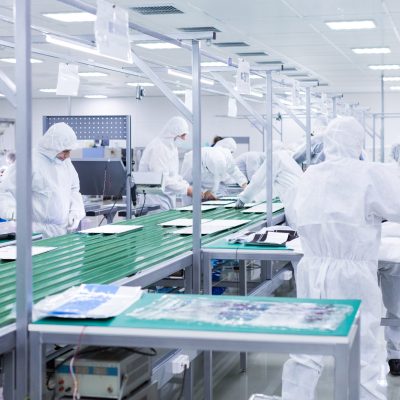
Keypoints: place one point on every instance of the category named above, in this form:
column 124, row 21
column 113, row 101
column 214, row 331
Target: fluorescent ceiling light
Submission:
column 256, row 94
column 184, row 75
column 391, row 78
column 396, row 88
column 179, row 92
column 2, row 95
column 213, row 64
column 13, row 60
column 71, row 16
column 143, row 84
column 158, row 45
column 286, row 102
column 48, row 90
column 95, row 96
column 349, row 25
column 384, row 67
column 92, row 74
column 79, row 47
column 372, row 50
column 252, row 76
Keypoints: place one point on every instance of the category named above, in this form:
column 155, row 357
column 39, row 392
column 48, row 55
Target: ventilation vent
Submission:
column 289, row 69
column 200, row 29
column 297, row 75
column 157, row 10
column 252, row 54
column 231, row 44
column 308, row 80
column 269, row 62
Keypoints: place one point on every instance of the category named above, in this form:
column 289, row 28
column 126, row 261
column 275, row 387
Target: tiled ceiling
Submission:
column 291, row 31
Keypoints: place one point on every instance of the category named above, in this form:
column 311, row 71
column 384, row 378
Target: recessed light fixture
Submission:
column 213, row 64
column 95, row 96
column 69, row 44
column 395, row 88
column 48, row 90
column 350, row 25
column 256, row 94
column 71, row 16
column 286, row 102
column 391, row 78
column 158, row 45
column 253, row 76
column 143, row 84
column 13, row 60
column 2, row 95
column 92, row 74
column 372, row 50
column 184, row 75
column 179, row 92
column 384, row 67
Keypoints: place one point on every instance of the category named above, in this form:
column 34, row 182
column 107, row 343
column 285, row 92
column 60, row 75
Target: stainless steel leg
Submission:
column 266, row 270
column 188, row 384
column 37, row 366
column 341, row 378
column 207, row 274
column 243, row 292
column 9, row 376
column 188, row 280
column 354, row 373
column 208, row 377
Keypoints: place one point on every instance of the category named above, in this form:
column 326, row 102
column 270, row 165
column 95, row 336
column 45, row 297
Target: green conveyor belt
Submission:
column 104, row 259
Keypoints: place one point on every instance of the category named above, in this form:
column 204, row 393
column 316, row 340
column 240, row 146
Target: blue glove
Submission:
column 239, row 204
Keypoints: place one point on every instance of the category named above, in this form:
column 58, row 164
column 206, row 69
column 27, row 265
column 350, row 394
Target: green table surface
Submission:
column 126, row 321
column 223, row 244
column 105, row 259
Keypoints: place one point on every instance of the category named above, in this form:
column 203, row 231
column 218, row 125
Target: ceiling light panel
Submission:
column 71, row 16
column 184, row 75
column 157, row 45
column 252, row 54
column 48, row 90
column 213, row 64
column 395, row 88
column 95, row 96
column 384, row 67
column 391, row 78
column 142, row 84
column 14, row 61
column 372, row 50
column 157, row 10
column 351, row 25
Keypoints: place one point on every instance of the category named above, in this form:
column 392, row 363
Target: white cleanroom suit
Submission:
column 161, row 155
column 249, row 162
column 57, row 204
column 338, row 210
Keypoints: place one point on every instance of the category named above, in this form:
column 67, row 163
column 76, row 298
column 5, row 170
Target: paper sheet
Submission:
column 10, row 252
column 203, row 208
column 112, row 229
column 233, row 198
column 182, row 222
column 218, row 203
column 214, row 226
column 262, row 208
column 295, row 245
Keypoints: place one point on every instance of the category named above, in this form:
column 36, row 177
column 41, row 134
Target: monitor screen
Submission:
column 101, row 177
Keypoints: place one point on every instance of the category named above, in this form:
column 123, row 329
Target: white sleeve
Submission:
column 234, row 172
column 256, row 184
column 8, row 193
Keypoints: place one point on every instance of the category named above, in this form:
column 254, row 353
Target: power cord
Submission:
column 144, row 202
column 183, row 383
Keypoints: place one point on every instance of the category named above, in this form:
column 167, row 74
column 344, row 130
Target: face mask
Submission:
column 182, row 144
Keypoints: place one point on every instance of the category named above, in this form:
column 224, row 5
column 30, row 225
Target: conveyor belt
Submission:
column 104, row 259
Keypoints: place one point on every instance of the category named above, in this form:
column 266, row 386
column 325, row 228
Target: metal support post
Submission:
column 128, row 170
column 196, row 125
column 23, row 141
column 69, row 105
column 334, row 107
column 373, row 138
column 268, row 146
column 308, row 125
column 382, row 119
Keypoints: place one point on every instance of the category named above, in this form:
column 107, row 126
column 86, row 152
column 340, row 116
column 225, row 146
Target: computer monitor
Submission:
column 101, row 177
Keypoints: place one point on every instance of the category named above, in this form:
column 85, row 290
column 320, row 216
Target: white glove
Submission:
column 73, row 222
column 239, row 204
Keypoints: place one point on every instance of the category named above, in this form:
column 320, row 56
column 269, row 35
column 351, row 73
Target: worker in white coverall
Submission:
column 234, row 175
column 214, row 167
column 338, row 210
column 161, row 155
column 286, row 174
column 57, row 205
column 249, row 162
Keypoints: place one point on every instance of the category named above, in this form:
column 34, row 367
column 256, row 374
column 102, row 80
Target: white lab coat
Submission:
column 249, row 162
column 213, row 168
column 55, row 184
column 161, row 155
column 286, row 174
column 338, row 209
